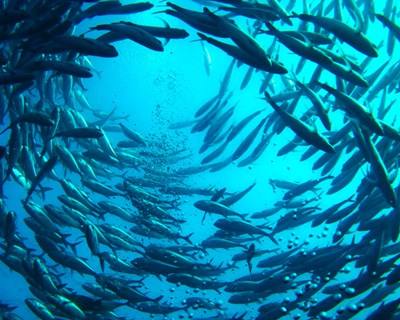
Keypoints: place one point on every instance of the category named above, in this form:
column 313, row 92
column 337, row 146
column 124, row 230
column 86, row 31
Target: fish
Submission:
column 112, row 197
column 80, row 133
column 82, row 45
column 394, row 28
column 300, row 128
column 198, row 20
column 353, row 37
column 217, row 208
column 249, row 256
column 241, row 55
column 112, row 8
column 317, row 102
column 38, row 118
column 68, row 68
column 245, row 144
column 354, row 108
column 44, row 170
column 242, row 227
column 134, row 33
column 134, row 136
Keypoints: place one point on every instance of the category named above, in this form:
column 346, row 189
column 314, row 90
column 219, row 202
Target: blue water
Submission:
column 157, row 89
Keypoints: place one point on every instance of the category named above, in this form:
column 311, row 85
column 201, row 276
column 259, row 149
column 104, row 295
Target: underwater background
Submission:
column 153, row 92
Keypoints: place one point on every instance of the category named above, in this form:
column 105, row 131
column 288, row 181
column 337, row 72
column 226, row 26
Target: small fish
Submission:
column 250, row 255
column 80, row 133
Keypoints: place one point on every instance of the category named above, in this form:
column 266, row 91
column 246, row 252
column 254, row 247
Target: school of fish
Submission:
column 92, row 182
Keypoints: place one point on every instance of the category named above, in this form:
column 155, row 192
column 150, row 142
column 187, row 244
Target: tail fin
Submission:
column 42, row 190
column 158, row 299
column 294, row 15
column 73, row 245
column 6, row 128
column 271, row 236
column 202, row 36
column 271, row 27
column 204, row 217
column 101, row 262
column 187, row 238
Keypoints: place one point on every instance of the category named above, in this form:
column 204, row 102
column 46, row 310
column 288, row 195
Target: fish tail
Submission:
column 271, row 27
column 271, row 236
column 187, row 238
